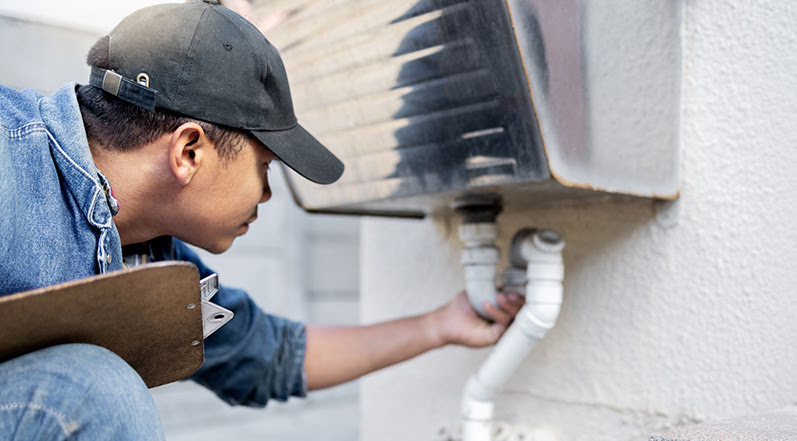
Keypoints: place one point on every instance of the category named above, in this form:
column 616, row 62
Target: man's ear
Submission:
column 188, row 147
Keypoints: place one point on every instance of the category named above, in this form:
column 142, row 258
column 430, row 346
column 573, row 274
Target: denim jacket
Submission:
column 56, row 225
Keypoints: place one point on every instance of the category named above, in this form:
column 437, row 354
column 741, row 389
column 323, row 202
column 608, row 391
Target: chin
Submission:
column 214, row 245
column 217, row 247
column 220, row 248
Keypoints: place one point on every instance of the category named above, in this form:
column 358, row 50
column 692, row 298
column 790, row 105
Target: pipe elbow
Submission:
column 536, row 320
column 540, row 251
column 476, row 392
column 530, row 246
column 479, row 259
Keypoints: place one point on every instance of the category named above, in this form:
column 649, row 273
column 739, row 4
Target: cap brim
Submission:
column 300, row 151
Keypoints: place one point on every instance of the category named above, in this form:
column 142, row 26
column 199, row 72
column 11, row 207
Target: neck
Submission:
column 139, row 190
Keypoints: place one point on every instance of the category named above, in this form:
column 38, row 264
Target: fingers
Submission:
column 511, row 302
column 498, row 315
column 508, row 307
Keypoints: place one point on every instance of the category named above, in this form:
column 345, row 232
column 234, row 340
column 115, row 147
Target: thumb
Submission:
column 488, row 335
column 496, row 330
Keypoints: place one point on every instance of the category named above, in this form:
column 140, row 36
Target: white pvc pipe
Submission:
column 477, row 416
column 545, row 272
column 480, row 258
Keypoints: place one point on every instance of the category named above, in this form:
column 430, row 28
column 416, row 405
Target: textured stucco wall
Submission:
column 672, row 314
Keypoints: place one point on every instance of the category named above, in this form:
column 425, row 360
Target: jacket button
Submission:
column 109, row 258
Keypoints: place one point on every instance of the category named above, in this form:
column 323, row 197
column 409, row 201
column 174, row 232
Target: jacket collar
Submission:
column 70, row 150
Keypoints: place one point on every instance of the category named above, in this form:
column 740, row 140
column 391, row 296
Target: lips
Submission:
column 246, row 224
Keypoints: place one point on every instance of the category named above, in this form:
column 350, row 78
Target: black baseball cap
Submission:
column 204, row 61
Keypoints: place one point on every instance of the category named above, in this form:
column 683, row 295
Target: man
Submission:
column 171, row 143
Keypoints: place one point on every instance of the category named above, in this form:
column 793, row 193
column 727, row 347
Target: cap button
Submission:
column 212, row 2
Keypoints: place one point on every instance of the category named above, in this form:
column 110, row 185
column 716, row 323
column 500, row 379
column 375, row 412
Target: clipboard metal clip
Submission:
column 213, row 315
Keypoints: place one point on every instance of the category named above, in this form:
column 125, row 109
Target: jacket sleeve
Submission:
column 255, row 356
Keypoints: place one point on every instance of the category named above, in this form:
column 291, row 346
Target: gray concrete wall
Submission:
column 42, row 56
column 672, row 314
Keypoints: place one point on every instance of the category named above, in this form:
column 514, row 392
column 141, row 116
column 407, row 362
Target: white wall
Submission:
column 664, row 323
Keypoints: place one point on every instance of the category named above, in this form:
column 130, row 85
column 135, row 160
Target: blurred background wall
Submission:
column 304, row 267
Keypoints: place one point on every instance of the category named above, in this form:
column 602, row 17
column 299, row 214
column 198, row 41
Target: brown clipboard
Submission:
column 149, row 315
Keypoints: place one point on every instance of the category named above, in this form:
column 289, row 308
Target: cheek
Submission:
column 242, row 200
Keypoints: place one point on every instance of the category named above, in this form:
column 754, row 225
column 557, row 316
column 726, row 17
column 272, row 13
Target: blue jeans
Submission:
column 75, row 392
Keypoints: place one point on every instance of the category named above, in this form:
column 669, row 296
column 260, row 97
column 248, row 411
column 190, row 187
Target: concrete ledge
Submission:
column 776, row 425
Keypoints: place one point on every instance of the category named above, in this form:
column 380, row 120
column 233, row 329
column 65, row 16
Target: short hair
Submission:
column 118, row 125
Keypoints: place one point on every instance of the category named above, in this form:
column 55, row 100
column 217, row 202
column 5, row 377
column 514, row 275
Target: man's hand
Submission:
column 457, row 322
column 336, row 354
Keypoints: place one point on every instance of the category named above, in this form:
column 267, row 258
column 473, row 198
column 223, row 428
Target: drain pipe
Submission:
column 541, row 252
column 480, row 256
